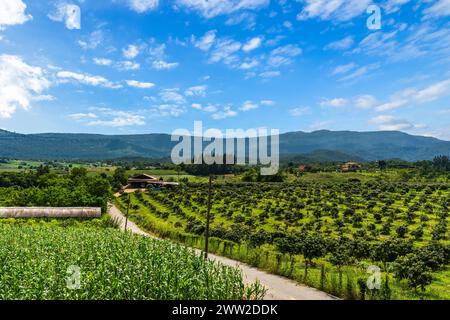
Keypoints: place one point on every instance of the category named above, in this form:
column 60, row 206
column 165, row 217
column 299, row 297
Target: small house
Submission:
column 350, row 166
column 144, row 181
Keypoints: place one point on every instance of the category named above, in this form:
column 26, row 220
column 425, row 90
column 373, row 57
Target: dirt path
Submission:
column 279, row 288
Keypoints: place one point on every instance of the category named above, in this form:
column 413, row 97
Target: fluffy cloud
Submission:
column 197, row 91
column 334, row 103
column 158, row 57
column 249, row 105
column 213, row 8
column 96, row 81
column 102, row 61
column 252, row 44
column 12, row 12
column 225, row 50
column 205, row 42
column 170, row 110
column 227, row 112
column 390, row 123
column 92, row 41
column 130, row 52
column 440, row 8
column 70, row 14
column 140, row 85
column 343, row 44
column 82, row 116
column 114, row 118
column 163, row 65
column 414, row 96
column 269, row 74
column 142, row 6
column 298, row 112
column 283, row 55
column 365, row 101
column 128, row 65
column 172, row 96
column 342, row 10
column 19, row 84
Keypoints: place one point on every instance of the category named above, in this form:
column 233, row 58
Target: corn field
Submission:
column 39, row 263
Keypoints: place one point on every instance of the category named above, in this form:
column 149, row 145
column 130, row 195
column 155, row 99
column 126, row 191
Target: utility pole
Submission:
column 208, row 216
column 128, row 210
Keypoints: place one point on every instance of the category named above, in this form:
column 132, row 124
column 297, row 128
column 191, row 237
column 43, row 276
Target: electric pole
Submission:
column 208, row 216
column 128, row 210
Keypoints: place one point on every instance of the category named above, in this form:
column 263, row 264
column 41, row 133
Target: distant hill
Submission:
column 317, row 146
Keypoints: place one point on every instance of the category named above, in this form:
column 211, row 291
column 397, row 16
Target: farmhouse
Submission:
column 143, row 181
column 350, row 166
column 44, row 212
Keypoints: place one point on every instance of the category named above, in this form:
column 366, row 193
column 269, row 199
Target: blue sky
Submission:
column 142, row 66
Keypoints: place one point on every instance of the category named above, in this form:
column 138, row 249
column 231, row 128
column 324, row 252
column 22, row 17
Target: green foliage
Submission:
column 413, row 269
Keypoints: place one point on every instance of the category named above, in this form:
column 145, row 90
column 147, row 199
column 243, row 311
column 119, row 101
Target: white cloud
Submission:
column 270, row 74
column 249, row 105
column 225, row 51
column 283, row 55
column 102, row 61
column 172, row 96
column 392, row 6
column 414, row 96
column 82, row 116
column 341, row 10
column 44, row 97
column 344, row 68
column 70, row 14
column 335, row 103
column 440, row 8
column 343, row 44
column 197, row 91
column 142, row 6
column 140, row 85
column 365, row 102
column 390, row 123
column 12, row 12
column 19, row 84
column 298, row 112
column 128, row 65
column 130, row 52
column 163, row 65
column 359, row 72
column 170, row 110
column 213, row 8
column 205, row 42
column 252, row 44
column 249, row 64
column 96, row 81
column 158, row 57
column 92, row 41
column 119, row 119
column 267, row 102
column 227, row 112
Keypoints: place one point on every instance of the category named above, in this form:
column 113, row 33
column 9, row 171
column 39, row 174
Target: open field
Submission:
column 260, row 223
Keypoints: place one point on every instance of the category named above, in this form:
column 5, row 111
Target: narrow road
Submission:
column 279, row 288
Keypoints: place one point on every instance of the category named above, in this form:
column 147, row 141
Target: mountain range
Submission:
column 320, row 146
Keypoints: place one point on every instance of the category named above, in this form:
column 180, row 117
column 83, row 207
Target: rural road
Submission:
column 278, row 288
